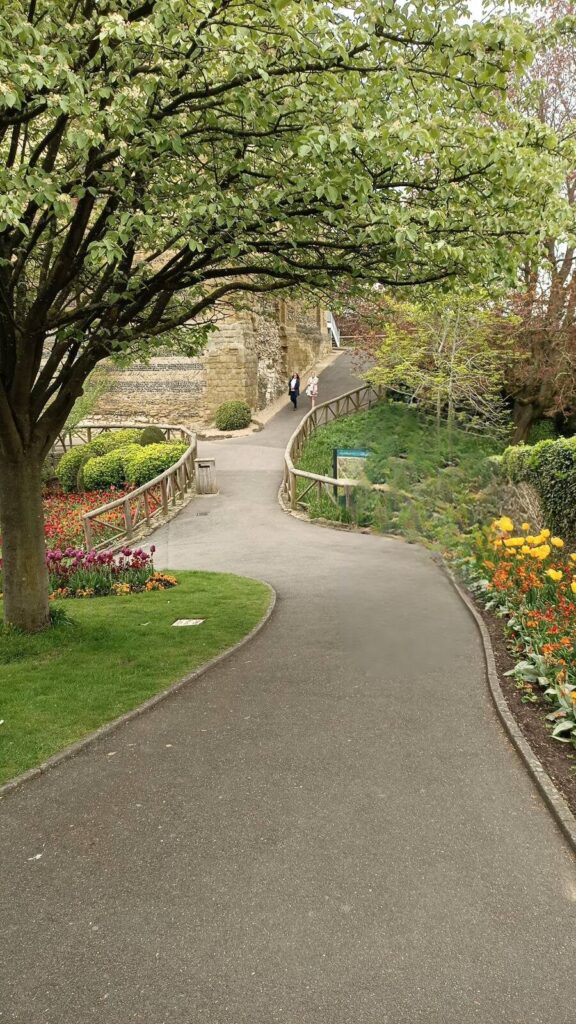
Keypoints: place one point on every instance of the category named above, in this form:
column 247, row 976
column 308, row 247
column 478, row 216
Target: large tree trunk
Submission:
column 524, row 415
column 25, row 578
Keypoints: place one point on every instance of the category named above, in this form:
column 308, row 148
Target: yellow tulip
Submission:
column 514, row 542
column 525, row 527
column 504, row 523
column 573, row 557
column 545, row 534
column 554, row 574
column 573, row 586
column 557, row 542
column 541, row 552
column 525, row 549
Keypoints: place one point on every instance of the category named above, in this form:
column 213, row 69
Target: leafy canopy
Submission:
column 449, row 352
column 157, row 156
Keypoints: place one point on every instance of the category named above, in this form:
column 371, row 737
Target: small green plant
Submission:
column 233, row 416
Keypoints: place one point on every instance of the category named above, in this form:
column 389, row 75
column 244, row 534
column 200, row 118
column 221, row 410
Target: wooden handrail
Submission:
column 351, row 401
column 148, row 500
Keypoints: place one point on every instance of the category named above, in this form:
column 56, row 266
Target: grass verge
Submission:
column 440, row 486
column 111, row 655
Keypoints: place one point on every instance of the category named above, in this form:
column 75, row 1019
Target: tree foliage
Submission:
column 544, row 382
column 158, row 157
column 448, row 353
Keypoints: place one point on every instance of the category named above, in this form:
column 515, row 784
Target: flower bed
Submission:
column 531, row 581
column 78, row 573
column 63, row 515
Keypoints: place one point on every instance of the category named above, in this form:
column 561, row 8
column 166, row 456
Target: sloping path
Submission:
column 339, row 833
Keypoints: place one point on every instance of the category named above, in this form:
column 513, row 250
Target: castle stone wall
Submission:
column 250, row 357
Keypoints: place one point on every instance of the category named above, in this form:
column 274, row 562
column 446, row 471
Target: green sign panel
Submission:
column 352, row 453
column 348, row 463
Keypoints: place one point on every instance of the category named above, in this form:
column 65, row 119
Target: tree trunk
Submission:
column 25, row 577
column 524, row 415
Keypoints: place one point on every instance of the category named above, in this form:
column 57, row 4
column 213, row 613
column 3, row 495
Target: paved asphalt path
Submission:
column 339, row 833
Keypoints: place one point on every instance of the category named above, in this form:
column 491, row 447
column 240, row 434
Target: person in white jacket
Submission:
column 312, row 388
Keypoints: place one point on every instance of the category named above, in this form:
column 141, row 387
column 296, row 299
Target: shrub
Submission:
column 80, row 485
column 551, row 467
column 543, row 430
column 554, row 472
column 233, row 416
column 72, row 462
column 516, row 462
column 152, row 435
column 112, row 439
column 143, row 464
column 103, row 471
column 69, row 465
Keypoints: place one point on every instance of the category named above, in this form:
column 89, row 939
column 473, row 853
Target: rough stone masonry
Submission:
column 249, row 357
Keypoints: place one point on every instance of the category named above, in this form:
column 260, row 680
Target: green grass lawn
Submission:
column 114, row 653
column 440, row 486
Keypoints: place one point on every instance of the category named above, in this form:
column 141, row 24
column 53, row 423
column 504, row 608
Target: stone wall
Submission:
column 250, row 357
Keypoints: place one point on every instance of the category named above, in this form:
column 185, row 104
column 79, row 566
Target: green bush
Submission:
column 80, row 485
column 69, row 465
column 144, row 464
column 233, row 416
column 543, row 430
column 70, row 468
column 152, row 435
column 112, row 439
column 109, row 470
column 516, row 462
column 550, row 466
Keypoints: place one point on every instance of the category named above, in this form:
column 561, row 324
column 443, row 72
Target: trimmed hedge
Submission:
column 550, row 466
column 99, row 464
column 104, row 471
column 112, row 439
column 70, row 465
column 233, row 416
column 144, row 464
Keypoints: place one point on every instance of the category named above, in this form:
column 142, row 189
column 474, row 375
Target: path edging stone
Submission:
column 147, row 705
column 565, row 819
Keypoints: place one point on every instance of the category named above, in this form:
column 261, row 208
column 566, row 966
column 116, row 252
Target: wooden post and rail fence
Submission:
column 353, row 401
column 118, row 520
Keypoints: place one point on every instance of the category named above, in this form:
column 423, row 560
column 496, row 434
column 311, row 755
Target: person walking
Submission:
column 312, row 388
column 294, row 389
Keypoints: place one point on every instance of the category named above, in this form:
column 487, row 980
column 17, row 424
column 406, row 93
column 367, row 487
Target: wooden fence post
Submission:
column 127, row 519
column 88, row 533
column 293, row 491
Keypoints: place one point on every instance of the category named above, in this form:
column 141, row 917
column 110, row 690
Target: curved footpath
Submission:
column 339, row 831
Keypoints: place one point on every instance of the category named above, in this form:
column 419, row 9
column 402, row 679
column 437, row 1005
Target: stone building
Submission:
column 249, row 357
